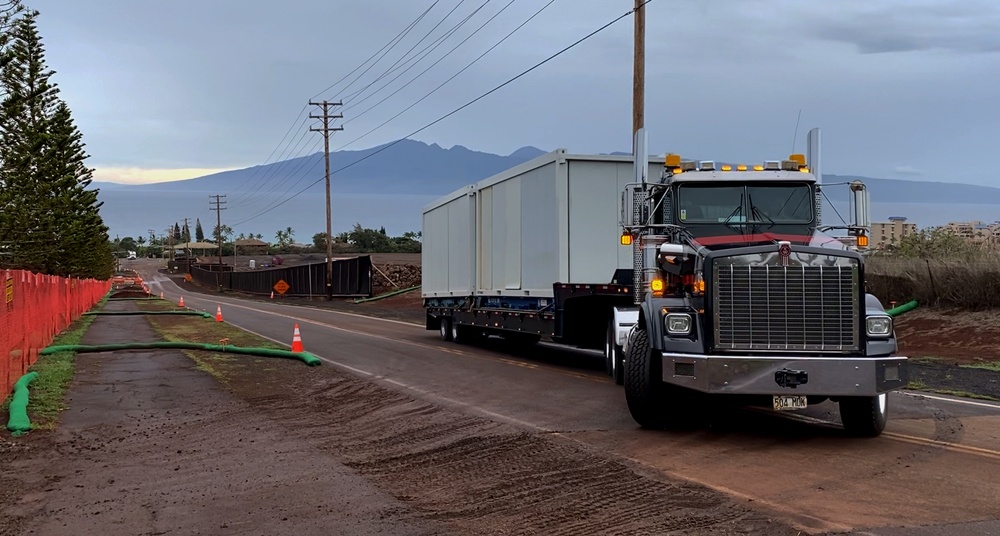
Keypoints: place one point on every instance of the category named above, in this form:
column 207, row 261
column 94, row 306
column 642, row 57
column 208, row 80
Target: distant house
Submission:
column 251, row 246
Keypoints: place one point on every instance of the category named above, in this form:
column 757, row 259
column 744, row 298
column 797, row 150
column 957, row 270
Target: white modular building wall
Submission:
column 447, row 250
column 552, row 219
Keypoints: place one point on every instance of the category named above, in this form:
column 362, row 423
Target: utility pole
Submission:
column 326, row 129
column 639, row 71
column 218, row 218
column 170, row 238
column 186, row 233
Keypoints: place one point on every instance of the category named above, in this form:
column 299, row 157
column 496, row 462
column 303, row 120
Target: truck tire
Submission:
column 645, row 393
column 864, row 416
column 614, row 358
column 445, row 330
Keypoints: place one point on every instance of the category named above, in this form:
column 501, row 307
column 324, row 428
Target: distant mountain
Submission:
column 417, row 168
column 407, row 167
column 907, row 191
column 388, row 185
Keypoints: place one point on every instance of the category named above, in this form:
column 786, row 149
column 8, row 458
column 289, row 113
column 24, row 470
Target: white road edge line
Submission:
column 920, row 394
column 408, row 387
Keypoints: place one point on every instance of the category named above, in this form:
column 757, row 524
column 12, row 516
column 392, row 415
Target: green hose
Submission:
column 905, row 308
column 18, row 422
column 126, row 313
column 387, row 295
column 306, row 357
column 133, row 299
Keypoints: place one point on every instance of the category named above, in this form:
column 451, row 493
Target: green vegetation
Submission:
column 994, row 366
column 49, row 221
column 936, row 268
column 48, row 392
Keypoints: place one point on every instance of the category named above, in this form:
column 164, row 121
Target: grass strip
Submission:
column 55, row 371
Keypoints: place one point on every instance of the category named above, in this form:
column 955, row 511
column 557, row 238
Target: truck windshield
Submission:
column 733, row 204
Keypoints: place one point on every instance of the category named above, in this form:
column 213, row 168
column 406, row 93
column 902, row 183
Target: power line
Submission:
column 391, row 44
column 470, row 36
column 470, row 64
column 456, row 110
column 394, row 42
column 246, row 200
column 473, row 62
column 407, row 53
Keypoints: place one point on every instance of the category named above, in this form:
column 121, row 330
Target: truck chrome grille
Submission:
column 804, row 308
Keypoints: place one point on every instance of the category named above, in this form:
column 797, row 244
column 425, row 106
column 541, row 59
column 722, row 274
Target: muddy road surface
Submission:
column 401, row 433
column 934, row 469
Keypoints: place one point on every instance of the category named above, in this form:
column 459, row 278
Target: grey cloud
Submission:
column 972, row 27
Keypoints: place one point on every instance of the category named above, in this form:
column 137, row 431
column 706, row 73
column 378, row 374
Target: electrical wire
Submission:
column 476, row 31
column 391, row 44
column 394, row 42
column 249, row 195
column 473, row 62
column 453, row 112
column 407, row 53
column 352, row 103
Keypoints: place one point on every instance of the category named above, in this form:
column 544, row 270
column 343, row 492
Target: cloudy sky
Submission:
column 166, row 90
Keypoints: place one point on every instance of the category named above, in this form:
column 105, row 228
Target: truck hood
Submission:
column 722, row 237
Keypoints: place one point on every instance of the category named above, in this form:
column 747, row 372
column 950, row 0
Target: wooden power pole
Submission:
column 326, row 129
column 639, row 71
column 218, row 208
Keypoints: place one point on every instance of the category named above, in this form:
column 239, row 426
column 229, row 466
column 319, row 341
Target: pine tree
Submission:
column 27, row 224
column 80, row 231
column 177, row 233
column 199, row 233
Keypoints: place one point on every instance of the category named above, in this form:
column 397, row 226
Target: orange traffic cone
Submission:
column 161, row 295
column 181, row 303
column 218, row 313
column 272, row 294
column 297, row 340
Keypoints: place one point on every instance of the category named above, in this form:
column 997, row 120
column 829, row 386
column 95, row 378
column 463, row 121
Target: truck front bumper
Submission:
column 785, row 375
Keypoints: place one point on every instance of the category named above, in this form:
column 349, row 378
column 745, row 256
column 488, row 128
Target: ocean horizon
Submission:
column 133, row 213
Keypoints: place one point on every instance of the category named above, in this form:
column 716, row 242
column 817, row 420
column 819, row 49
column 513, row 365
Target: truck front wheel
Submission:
column 645, row 392
column 864, row 416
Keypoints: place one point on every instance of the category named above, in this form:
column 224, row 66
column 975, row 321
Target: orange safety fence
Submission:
column 35, row 308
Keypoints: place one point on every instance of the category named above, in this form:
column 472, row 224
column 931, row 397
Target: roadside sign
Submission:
column 281, row 287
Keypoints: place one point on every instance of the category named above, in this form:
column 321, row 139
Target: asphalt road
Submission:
column 934, row 470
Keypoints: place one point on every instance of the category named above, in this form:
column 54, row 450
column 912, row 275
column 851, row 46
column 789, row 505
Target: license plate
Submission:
column 785, row 402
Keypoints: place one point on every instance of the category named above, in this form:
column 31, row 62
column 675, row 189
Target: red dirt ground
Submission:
column 959, row 337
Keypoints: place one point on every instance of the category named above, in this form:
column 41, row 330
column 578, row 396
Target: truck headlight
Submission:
column 879, row 326
column 677, row 323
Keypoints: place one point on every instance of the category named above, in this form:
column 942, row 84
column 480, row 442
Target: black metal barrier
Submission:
column 351, row 277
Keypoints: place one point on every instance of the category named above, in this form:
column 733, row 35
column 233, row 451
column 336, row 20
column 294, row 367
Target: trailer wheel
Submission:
column 865, row 416
column 445, row 329
column 614, row 358
column 645, row 393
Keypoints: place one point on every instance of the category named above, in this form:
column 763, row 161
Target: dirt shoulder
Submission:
column 150, row 444
column 154, row 444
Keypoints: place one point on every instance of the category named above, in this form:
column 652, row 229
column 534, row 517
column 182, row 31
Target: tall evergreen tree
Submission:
column 48, row 218
column 177, row 233
column 199, row 233
column 186, row 233
column 27, row 224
